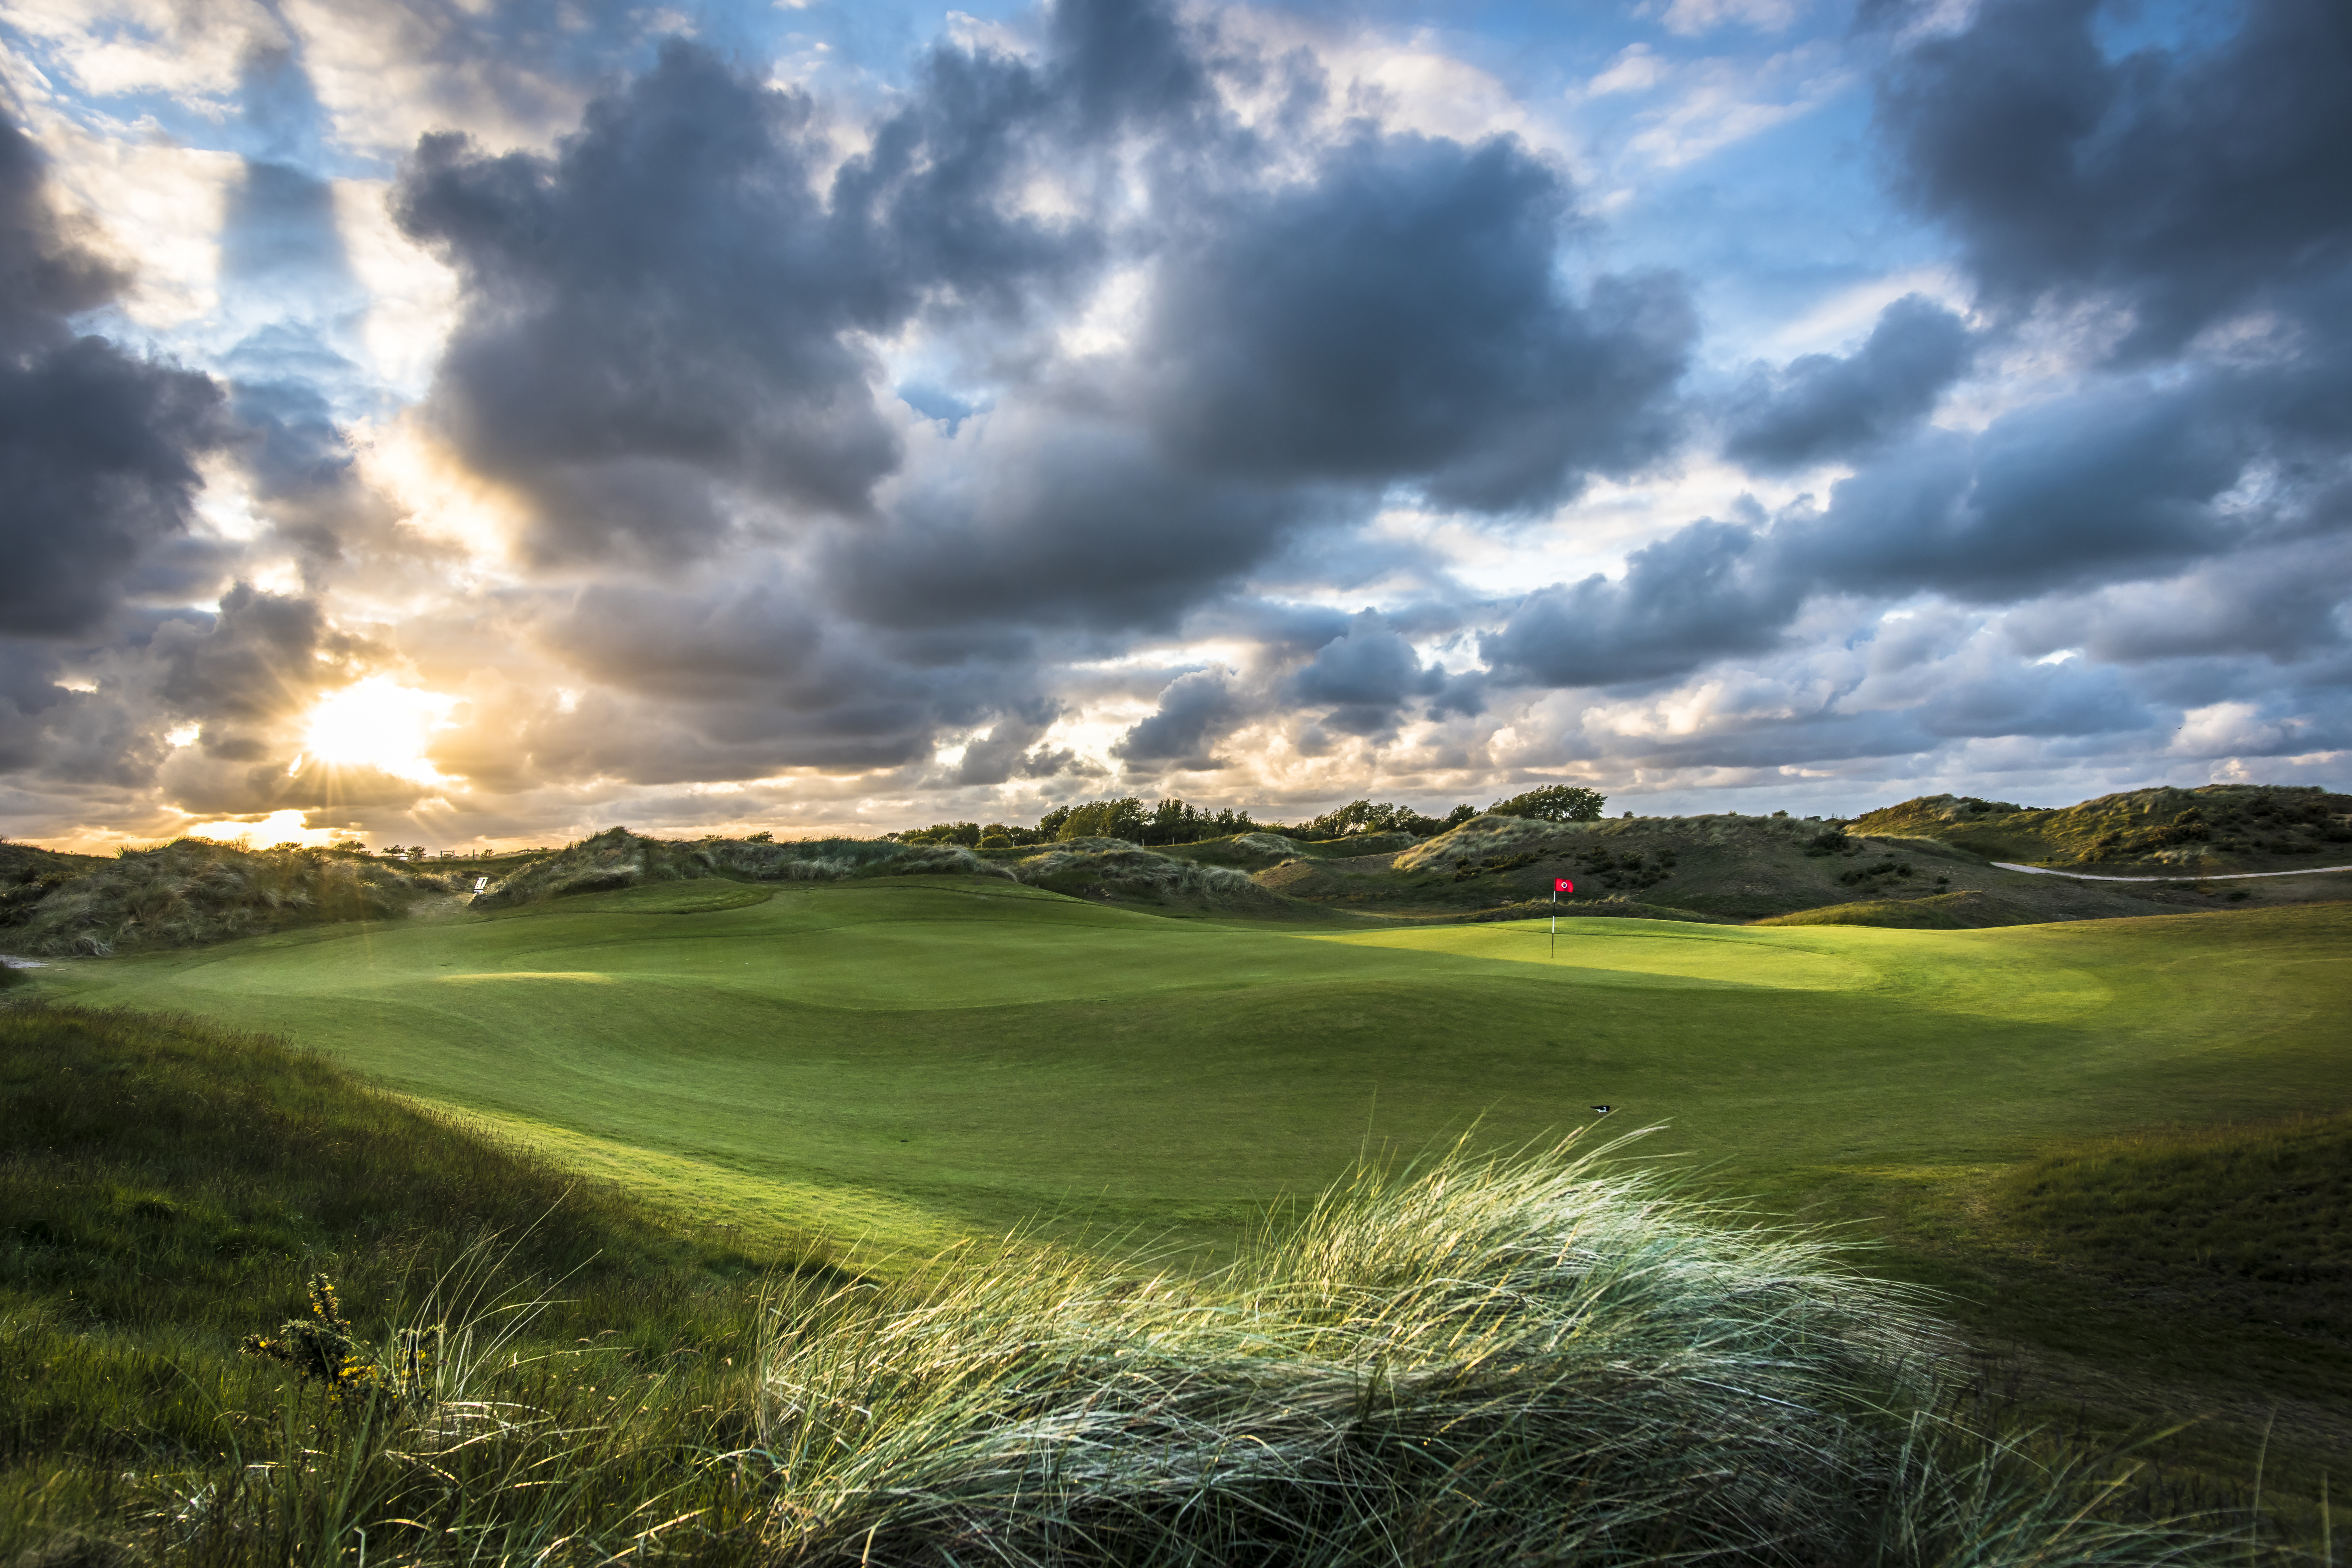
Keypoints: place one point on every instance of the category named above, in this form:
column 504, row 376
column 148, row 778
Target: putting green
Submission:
column 905, row 1056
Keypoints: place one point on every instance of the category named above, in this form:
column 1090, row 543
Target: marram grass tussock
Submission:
column 1474, row 1362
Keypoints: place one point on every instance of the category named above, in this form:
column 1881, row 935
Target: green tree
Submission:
column 1553, row 803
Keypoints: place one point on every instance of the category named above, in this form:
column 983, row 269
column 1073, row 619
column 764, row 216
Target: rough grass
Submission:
column 1099, row 867
column 1088, row 867
column 618, row 858
column 2213, row 829
column 195, row 891
column 2265, row 1213
column 1472, row 1361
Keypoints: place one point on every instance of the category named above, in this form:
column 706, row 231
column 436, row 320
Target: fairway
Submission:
column 906, row 1057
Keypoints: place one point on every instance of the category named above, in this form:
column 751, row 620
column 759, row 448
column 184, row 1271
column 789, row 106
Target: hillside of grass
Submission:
column 30, row 873
column 2210, row 831
column 166, row 1187
column 1100, row 869
column 255, row 1311
column 195, row 891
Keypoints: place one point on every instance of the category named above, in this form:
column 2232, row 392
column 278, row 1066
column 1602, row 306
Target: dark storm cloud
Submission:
column 669, row 314
column 1707, row 592
column 2117, row 485
column 669, row 304
column 1010, row 748
column 750, row 678
column 1064, row 523
column 1365, row 678
column 1401, row 317
column 2186, row 185
column 2055, row 496
column 1196, row 712
column 98, row 447
column 29, row 697
column 655, row 306
column 1822, row 407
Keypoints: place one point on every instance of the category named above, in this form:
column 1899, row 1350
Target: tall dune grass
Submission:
column 1477, row 1362
column 619, row 858
column 195, row 891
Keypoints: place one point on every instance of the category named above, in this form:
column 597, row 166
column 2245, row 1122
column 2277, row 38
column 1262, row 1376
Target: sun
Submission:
column 378, row 723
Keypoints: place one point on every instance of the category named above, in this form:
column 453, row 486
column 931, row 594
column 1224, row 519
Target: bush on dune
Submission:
column 195, row 891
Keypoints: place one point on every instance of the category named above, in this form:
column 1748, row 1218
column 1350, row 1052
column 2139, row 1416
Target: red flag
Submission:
column 1562, row 885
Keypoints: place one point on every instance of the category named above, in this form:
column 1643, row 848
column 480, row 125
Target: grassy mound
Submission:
column 2154, row 832
column 196, row 891
column 618, row 858
column 1474, row 1362
column 1098, row 868
column 1484, row 838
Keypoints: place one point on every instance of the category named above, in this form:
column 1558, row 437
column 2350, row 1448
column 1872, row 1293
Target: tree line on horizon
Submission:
column 1176, row 821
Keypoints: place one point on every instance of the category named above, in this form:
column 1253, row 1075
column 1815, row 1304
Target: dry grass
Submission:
column 196, row 891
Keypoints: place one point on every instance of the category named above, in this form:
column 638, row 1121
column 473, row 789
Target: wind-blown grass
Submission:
column 619, row 858
column 1540, row 1359
column 1098, row 866
column 194, row 892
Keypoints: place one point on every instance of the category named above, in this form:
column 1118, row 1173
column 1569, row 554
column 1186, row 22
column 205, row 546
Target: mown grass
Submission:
column 1469, row 1360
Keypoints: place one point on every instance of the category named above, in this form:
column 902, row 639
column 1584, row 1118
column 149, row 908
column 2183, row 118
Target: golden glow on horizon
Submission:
column 378, row 723
column 278, row 827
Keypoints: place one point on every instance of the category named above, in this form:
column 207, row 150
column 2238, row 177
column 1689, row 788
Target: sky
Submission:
column 479, row 422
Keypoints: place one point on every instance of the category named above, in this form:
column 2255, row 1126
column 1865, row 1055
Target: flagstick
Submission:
column 1555, row 919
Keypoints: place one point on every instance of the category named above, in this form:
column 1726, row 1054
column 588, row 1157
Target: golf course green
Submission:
column 903, row 1058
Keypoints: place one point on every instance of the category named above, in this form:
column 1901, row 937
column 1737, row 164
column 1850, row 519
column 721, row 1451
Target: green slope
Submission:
column 914, row 1053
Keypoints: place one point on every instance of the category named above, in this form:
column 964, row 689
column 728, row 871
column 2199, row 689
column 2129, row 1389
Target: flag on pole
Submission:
column 1562, row 885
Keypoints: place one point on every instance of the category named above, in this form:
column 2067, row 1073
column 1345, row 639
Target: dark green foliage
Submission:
column 1364, row 816
column 1553, row 803
column 1886, row 865
column 1832, row 841
column 1122, row 818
